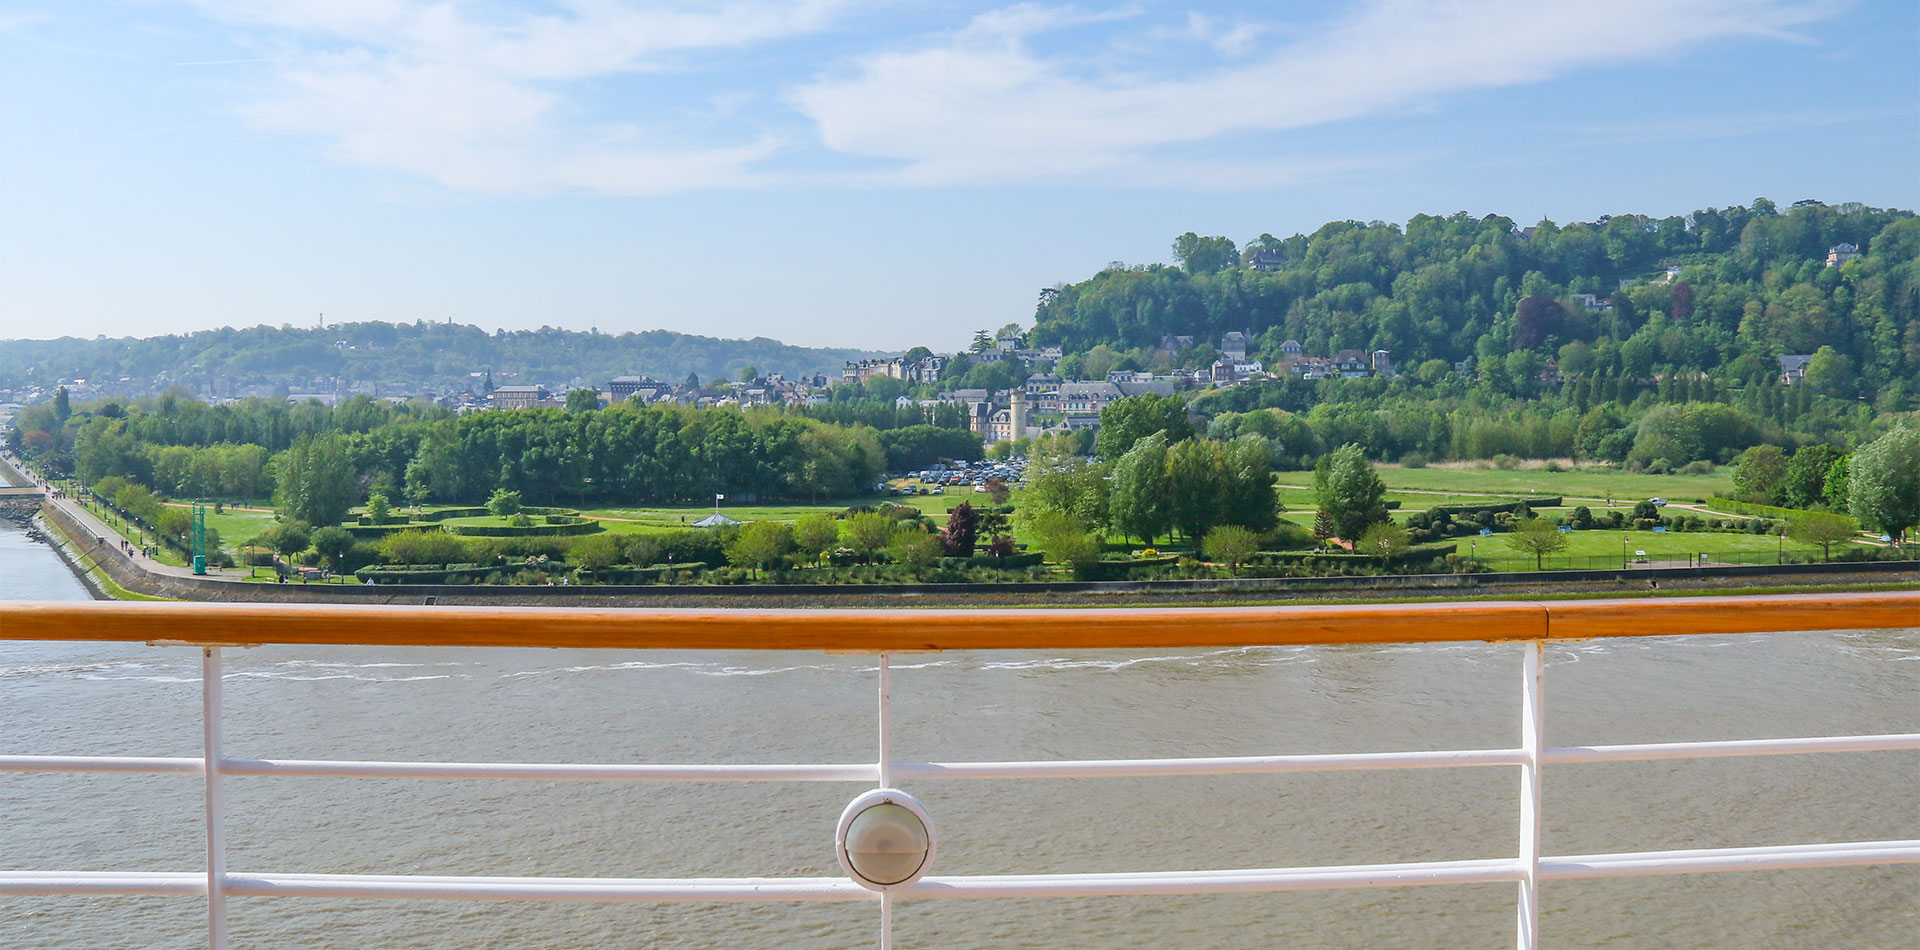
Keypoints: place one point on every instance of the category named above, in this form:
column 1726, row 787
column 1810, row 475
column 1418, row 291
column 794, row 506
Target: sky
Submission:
column 860, row 172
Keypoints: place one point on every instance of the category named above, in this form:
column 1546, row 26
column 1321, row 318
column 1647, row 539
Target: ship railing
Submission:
column 885, row 633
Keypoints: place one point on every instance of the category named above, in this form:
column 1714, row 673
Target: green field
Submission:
column 1622, row 487
column 1604, row 549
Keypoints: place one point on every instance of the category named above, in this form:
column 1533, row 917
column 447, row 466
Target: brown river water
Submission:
column 608, row 706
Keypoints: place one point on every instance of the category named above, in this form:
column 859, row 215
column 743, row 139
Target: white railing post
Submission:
column 1532, row 727
column 886, row 781
column 210, row 705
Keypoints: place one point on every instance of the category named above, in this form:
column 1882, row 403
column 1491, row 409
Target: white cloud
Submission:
column 481, row 97
column 492, row 104
column 979, row 105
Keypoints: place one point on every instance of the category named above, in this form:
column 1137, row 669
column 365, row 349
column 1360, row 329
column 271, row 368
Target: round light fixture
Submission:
column 884, row 840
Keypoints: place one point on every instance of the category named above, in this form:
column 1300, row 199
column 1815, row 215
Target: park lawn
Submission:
column 1621, row 486
column 1668, row 547
column 236, row 527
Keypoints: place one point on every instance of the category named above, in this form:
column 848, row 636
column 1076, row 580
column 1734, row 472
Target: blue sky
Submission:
column 861, row 173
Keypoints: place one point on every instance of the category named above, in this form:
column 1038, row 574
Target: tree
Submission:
column 287, row 538
column 1059, row 478
column 1322, row 527
column 1231, row 545
column 1247, row 494
column 1805, row 482
column 315, row 480
column 334, row 543
column 1349, row 492
column 1823, row 529
column 760, row 544
column 503, row 503
column 1883, row 490
column 62, row 406
column 913, row 549
column 1204, row 255
column 1064, row 540
column 1538, row 537
column 981, row 342
column 583, row 400
column 1383, row 539
column 1126, row 421
column 868, row 532
column 594, row 552
column 1195, row 480
column 1761, row 470
column 815, row 535
column 1830, row 372
column 1839, row 483
column 962, row 531
column 1142, row 490
column 378, row 508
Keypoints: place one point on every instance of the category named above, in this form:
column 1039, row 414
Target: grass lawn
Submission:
column 1603, row 548
column 236, row 527
column 1599, row 483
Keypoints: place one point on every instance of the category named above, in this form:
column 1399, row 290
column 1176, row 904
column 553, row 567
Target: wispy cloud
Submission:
column 495, row 104
column 979, row 105
column 603, row 97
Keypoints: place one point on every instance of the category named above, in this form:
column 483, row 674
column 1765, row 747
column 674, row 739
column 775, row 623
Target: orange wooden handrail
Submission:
column 907, row 630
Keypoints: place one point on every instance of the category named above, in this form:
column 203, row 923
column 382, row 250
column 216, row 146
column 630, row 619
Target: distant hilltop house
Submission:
column 1593, row 302
column 1346, row 364
column 1266, row 260
column 1794, row 368
column 1841, row 253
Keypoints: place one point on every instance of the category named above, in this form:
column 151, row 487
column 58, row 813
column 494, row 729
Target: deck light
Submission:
column 884, row 840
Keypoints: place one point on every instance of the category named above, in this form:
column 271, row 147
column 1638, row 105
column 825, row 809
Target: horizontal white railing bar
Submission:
column 1715, row 860
column 1219, row 765
column 1076, row 768
column 104, row 883
column 129, row 764
column 321, row 768
column 1103, row 884
column 1652, row 751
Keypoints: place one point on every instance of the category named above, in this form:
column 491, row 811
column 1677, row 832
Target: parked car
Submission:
column 1658, row 502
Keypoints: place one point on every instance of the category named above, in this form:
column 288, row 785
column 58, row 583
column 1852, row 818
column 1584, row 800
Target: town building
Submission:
column 1841, row 253
column 519, row 397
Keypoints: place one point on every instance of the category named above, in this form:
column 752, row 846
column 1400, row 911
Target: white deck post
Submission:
column 886, row 781
column 1532, row 727
column 210, row 705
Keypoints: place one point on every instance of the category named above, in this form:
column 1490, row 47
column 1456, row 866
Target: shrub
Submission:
column 1506, row 462
column 1697, row 467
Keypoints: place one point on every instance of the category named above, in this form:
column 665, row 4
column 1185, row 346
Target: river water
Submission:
column 607, row 706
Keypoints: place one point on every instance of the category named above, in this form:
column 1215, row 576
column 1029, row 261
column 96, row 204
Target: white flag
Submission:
column 718, row 496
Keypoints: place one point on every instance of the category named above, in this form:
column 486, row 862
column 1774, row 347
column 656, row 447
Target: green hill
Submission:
column 410, row 355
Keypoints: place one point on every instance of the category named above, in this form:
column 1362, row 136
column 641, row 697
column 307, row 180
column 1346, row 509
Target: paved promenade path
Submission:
column 12, row 468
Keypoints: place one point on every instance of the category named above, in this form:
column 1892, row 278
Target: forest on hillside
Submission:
column 1718, row 294
column 407, row 356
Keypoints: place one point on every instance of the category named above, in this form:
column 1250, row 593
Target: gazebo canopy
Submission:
column 714, row 520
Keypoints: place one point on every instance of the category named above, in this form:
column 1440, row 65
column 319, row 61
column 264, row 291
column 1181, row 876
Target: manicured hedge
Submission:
column 1023, row 559
column 1748, row 508
column 446, row 513
column 1413, row 554
column 1491, row 507
column 517, row 531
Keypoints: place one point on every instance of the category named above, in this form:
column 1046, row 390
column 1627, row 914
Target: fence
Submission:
column 212, row 627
